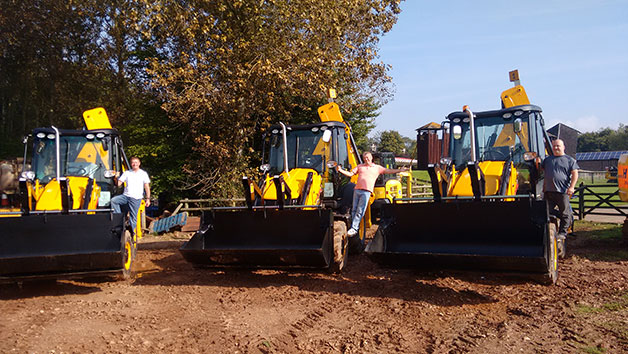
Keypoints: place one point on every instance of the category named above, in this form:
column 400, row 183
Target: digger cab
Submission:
column 85, row 159
column 505, row 140
column 297, row 211
column 308, row 149
column 65, row 225
column 487, row 212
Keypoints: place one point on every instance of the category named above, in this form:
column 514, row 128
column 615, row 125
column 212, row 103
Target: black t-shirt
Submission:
column 558, row 172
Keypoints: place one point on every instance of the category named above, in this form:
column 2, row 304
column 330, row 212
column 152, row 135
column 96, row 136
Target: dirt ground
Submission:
column 172, row 307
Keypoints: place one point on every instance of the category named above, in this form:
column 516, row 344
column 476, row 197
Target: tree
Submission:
column 60, row 58
column 391, row 140
column 605, row 139
column 226, row 70
column 410, row 147
column 191, row 84
column 618, row 140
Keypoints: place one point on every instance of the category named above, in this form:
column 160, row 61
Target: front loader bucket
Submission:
column 271, row 238
column 509, row 236
column 56, row 245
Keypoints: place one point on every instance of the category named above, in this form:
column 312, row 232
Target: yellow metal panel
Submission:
column 48, row 197
column 295, row 182
column 379, row 192
column 90, row 152
column 10, row 210
column 330, row 112
column 515, row 96
column 96, row 119
column 394, row 189
column 507, row 136
column 492, row 175
column 77, row 188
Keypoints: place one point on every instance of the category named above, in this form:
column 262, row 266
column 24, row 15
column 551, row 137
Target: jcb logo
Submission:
column 623, row 177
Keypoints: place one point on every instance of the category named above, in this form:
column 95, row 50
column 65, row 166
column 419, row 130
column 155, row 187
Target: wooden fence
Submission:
column 593, row 202
column 192, row 205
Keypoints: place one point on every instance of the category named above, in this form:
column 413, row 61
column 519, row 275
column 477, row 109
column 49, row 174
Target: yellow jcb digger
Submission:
column 297, row 214
column 487, row 212
column 387, row 186
column 66, row 227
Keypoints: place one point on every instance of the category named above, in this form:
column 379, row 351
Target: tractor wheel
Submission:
column 551, row 276
column 128, row 255
column 340, row 246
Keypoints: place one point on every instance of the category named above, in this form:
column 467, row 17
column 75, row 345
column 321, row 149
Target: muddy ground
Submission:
column 172, row 307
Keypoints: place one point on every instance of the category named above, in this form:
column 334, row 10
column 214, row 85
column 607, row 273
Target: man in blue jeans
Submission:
column 137, row 183
column 367, row 174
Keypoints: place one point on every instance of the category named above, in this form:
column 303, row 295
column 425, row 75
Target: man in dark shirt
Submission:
column 561, row 175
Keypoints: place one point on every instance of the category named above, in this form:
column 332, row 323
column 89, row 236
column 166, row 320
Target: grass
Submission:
column 420, row 175
column 608, row 315
column 611, row 306
column 607, row 235
column 594, row 350
column 592, row 200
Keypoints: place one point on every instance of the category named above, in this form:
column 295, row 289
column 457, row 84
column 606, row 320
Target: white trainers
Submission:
column 352, row 232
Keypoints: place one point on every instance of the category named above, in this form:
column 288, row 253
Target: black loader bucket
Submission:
column 263, row 238
column 54, row 245
column 509, row 236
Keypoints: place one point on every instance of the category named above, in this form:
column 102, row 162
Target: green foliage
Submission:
column 410, row 147
column 605, row 139
column 391, row 140
column 241, row 66
column 191, row 84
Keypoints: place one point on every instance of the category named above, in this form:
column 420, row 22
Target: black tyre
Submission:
column 551, row 276
column 128, row 255
column 341, row 246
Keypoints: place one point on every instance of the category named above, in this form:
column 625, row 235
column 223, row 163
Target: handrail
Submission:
column 484, row 197
column 265, row 207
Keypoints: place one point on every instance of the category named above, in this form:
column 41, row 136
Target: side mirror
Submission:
column 457, row 132
column 446, row 161
column 517, row 126
column 327, row 136
column 264, row 168
column 332, row 164
column 105, row 143
column 109, row 173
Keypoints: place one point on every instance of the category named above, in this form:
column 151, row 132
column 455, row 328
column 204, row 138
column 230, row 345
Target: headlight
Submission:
column 529, row 156
column 28, row 175
column 264, row 168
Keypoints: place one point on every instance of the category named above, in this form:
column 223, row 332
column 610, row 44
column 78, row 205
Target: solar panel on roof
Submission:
column 599, row 155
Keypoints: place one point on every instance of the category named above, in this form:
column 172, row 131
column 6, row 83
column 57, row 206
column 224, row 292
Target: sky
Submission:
column 572, row 58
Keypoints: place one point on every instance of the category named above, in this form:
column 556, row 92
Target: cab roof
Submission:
column 328, row 124
column 74, row 132
column 499, row 112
